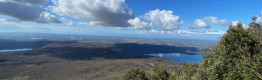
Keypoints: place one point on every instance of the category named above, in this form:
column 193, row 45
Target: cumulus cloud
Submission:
column 215, row 21
column 24, row 12
column 138, row 24
column 113, row 13
column 204, row 23
column 164, row 19
column 201, row 23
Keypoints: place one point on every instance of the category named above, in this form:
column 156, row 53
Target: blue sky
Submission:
column 187, row 19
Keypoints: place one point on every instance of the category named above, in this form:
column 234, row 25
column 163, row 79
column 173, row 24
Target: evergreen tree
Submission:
column 237, row 55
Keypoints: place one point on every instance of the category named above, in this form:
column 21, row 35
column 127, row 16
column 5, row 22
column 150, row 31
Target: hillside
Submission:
column 74, row 61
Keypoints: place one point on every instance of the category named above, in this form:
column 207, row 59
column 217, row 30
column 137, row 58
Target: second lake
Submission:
column 184, row 58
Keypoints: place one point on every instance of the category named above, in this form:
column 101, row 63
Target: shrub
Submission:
column 187, row 72
column 135, row 74
column 160, row 73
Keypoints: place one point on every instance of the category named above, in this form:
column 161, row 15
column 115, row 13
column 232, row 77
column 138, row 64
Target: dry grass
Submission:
column 15, row 66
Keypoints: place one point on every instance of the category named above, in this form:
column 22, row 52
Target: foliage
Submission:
column 135, row 74
column 160, row 73
column 237, row 55
column 187, row 72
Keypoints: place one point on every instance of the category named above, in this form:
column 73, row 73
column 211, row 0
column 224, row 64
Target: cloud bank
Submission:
column 113, row 13
column 23, row 10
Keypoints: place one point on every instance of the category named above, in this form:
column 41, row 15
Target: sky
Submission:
column 186, row 19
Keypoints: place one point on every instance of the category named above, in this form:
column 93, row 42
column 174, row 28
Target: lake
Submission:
column 184, row 58
column 13, row 50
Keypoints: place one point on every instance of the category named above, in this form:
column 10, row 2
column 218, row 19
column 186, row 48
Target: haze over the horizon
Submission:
column 189, row 19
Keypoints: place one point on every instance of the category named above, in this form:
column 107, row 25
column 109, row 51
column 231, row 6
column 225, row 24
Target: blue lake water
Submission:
column 184, row 58
column 13, row 50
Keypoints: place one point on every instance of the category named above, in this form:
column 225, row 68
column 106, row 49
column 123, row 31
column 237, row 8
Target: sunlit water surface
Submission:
column 184, row 58
column 13, row 50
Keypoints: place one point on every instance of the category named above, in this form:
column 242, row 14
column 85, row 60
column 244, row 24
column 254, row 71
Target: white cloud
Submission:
column 234, row 23
column 214, row 20
column 201, row 23
column 21, row 11
column 2, row 0
column 204, row 23
column 47, row 18
column 185, row 32
column 138, row 24
column 164, row 19
column 5, row 21
column 113, row 13
column 259, row 19
column 82, row 23
column 210, row 31
column 67, row 22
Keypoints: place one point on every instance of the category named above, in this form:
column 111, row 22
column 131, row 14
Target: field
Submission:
column 59, row 57
column 74, row 62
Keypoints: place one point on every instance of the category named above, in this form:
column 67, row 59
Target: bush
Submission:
column 160, row 73
column 187, row 72
column 135, row 74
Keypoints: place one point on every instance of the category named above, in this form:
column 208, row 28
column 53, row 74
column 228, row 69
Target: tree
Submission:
column 160, row 73
column 135, row 74
column 237, row 55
